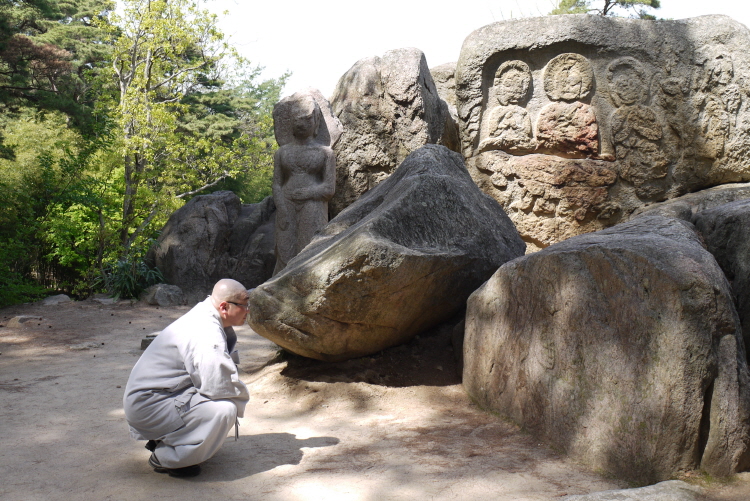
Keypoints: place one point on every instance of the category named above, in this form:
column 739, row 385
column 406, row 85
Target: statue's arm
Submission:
column 329, row 176
column 276, row 188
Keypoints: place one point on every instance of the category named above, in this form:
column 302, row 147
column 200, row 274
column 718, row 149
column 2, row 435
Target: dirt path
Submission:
column 396, row 426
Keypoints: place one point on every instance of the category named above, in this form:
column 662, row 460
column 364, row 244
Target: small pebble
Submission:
column 119, row 386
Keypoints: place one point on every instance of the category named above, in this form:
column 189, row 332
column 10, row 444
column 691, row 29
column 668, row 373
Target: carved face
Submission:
column 628, row 86
column 304, row 126
column 513, row 86
column 721, row 70
column 571, row 82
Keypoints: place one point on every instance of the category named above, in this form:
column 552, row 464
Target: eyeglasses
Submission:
column 243, row 306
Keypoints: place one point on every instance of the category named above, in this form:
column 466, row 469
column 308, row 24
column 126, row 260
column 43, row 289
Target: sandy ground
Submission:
column 395, row 426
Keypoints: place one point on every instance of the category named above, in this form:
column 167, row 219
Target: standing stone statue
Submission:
column 304, row 177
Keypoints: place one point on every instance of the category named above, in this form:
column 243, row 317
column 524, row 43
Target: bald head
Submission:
column 227, row 289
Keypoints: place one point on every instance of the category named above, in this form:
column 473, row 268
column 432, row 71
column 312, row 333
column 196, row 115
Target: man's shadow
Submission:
column 258, row 453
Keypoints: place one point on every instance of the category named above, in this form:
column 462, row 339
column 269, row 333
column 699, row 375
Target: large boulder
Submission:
column 726, row 231
column 621, row 348
column 642, row 111
column 388, row 107
column 213, row 237
column 400, row 260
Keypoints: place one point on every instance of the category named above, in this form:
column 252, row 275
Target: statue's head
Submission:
column 305, row 115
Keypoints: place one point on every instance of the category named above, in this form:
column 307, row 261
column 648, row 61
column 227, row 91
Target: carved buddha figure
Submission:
column 304, row 178
column 567, row 127
column 508, row 124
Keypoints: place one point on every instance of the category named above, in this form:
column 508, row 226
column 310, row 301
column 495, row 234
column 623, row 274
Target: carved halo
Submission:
column 515, row 90
column 628, row 82
column 568, row 77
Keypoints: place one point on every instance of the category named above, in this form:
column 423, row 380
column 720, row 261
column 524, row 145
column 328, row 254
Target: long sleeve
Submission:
column 213, row 371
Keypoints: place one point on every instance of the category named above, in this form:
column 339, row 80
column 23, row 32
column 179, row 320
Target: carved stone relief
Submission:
column 509, row 125
column 636, row 130
column 664, row 108
column 568, row 128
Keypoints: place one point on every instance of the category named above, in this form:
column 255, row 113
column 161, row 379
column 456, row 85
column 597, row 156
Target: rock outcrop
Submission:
column 400, row 260
column 444, row 77
column 726, row 231
column 622, row 348
column 163, row 295
column 642, row 111
column 389, row 107
column 213, row 237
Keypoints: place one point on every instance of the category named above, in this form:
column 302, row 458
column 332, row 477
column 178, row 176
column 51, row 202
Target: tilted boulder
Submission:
column 388, row 107
column 213, row 237
column 656, row 108
column 726, row 231
column 688, row 206
column 621, row 348
column 400, row 260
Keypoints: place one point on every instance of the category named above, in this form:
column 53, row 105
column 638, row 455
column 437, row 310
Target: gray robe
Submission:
column 188, row 363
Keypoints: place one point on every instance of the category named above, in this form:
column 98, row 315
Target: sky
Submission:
column 319, row 40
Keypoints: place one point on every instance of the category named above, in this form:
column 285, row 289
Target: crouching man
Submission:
column 184, row 394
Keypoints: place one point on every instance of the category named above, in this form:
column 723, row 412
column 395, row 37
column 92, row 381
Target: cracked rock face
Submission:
column 622, row 348
column 726, row 231
column 213, row 237
column 400, row 260
column 388, row 107
column 661, row 107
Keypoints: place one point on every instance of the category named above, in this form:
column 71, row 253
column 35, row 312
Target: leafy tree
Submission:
column 142, row 115
column 184, row 128
column 48, row 51
column 632, row 8
column 227, row 137
column 163, row 50
column 55, row 224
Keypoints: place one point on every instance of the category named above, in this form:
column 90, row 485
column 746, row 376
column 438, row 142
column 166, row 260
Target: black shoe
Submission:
column 187, row 471
column 151, row 445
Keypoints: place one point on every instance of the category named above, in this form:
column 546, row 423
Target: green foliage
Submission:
column 128, row 277
column 227, row 140
column 185, row 128
column 16, row 286
column 628, row 8
column 50, row 50
column 145, row 108
column 60, row 199
column 571, row 7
